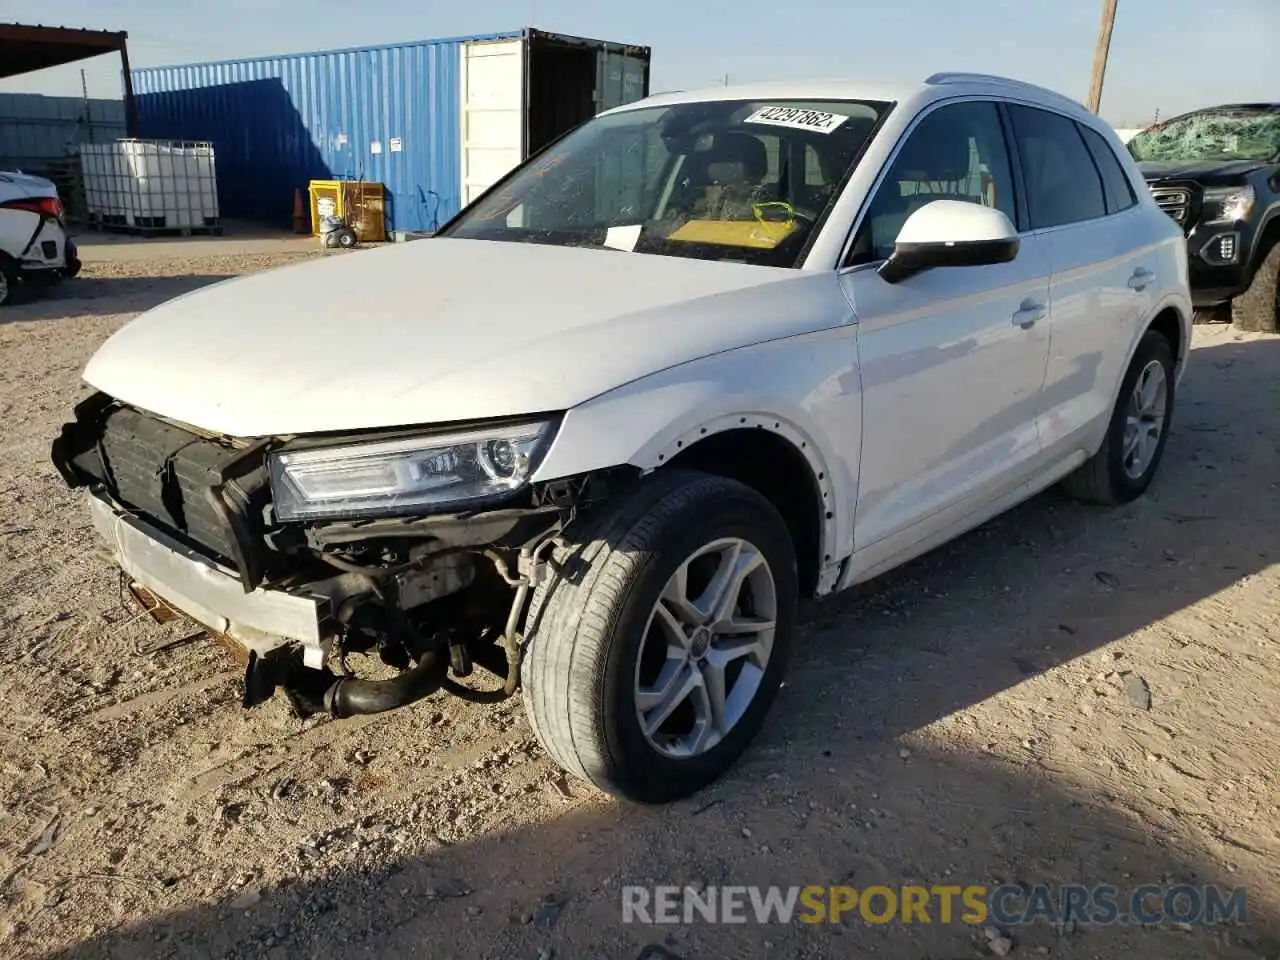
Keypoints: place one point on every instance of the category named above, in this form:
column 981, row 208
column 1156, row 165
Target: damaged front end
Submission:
column 418, row 547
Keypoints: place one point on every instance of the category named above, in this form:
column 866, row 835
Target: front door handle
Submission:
column 1029, row 313
column 1141, row 279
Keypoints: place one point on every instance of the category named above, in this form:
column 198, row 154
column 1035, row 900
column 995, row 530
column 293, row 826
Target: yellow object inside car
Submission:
column 735, row 233
column 759, row 233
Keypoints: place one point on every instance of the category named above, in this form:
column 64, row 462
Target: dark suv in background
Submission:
column 1216, row 172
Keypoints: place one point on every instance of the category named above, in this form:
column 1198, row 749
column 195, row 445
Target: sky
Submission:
column 1166, row 55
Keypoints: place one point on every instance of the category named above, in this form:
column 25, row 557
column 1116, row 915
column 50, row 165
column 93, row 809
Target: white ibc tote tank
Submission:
column 151, row 184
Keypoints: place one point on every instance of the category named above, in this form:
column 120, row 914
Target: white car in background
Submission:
column 709, row 354
column 34, row 247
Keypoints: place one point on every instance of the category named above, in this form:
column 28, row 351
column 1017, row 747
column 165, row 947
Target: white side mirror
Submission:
column 951, row 233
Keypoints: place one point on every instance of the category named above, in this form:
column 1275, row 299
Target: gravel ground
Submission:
column 980, row 716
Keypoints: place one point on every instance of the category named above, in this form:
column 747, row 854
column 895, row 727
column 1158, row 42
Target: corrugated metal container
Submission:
column 37, row 131
column 434, row 121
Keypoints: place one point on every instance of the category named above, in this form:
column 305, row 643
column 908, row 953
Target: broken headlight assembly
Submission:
column 420, row 474
column 1226, row 205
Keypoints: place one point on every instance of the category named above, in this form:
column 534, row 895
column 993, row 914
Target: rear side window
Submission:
column 1115, row 184
column 1063, row 185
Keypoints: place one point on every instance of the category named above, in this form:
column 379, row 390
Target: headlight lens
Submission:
column 1227, row 205
column 401, row 476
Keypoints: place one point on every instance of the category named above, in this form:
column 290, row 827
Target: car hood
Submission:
column 441, row 330
column 1208, row 172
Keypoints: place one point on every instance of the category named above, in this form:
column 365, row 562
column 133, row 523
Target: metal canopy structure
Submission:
column 25, row 48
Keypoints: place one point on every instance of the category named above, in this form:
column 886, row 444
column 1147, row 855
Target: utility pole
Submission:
column 88, row 120
column 1101, row 54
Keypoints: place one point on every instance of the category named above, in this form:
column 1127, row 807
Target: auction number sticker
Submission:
column 797, row 118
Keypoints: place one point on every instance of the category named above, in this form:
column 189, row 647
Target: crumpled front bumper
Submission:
column 210, row 594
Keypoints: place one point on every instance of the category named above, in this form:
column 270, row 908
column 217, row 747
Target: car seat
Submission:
column 723, row 181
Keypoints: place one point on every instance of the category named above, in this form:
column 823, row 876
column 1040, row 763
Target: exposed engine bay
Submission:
column 194, row 527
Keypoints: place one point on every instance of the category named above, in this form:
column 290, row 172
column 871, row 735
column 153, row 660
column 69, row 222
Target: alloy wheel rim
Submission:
column 706, row 647
column 1144, row 420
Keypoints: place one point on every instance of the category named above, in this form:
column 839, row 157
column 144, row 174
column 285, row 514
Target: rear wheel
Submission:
column 1127, row 461
column 10, row 284
column 1257, row 310
column 655, row 654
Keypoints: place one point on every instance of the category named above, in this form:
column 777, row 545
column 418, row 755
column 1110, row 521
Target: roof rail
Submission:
column 962, row 77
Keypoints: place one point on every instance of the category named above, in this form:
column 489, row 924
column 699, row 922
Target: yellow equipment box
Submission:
column 360, row 203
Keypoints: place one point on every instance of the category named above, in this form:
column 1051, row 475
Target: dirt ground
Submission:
column 978, row 717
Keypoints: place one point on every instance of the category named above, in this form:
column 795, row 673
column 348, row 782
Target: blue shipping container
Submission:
column 394, row 114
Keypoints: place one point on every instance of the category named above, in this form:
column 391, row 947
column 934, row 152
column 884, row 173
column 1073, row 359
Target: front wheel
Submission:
column 1257, row 310
column 654, row 655
column 1131, row 452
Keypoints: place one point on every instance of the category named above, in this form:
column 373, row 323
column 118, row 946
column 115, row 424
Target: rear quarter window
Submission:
column 1116, row 185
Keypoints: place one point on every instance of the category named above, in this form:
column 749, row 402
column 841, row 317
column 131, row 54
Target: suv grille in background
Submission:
column 1175, row 201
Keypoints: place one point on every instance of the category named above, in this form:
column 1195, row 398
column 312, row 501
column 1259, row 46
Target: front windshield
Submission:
column 1229, row 133
column 719, row 180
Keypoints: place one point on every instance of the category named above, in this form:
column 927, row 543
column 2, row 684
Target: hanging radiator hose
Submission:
column 351, row 696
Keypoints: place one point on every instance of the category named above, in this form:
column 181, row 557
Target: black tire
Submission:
column 346, row 239
column 1257, row 310
column 72, row 256
column 586, row 628
column 10, row 282
column 1102, row 479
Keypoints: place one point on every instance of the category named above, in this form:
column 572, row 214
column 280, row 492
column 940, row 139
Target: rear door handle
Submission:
column 1029, row 313
column 1141, row 279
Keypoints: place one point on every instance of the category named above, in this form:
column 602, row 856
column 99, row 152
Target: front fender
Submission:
column 806, row 389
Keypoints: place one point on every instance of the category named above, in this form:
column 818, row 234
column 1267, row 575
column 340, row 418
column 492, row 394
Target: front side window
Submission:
column 1222, row 133
column 1063, row 184
column 728, row 180
column 957, row 152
